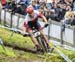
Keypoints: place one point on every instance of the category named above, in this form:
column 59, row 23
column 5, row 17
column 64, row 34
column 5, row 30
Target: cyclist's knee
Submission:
column 42, row 34
column 31, row 34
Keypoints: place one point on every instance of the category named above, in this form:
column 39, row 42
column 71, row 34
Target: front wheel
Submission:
column 42, row 43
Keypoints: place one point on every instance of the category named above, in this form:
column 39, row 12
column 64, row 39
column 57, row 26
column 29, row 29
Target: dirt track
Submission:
column 21, row 56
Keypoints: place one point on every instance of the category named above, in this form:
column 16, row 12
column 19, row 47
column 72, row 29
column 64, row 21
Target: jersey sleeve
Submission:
column 40, row 14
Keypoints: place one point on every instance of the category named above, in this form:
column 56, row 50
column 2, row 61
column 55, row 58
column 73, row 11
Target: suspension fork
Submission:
column 42, row 43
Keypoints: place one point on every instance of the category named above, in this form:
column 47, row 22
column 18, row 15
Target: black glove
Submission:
column 25, row 35
column 46, row 25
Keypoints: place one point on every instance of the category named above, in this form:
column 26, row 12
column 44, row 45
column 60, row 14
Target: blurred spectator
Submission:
column 21, row 9
column 26, row 2
column 68, row 8
column 54, row 9
column 60, row 10
column 35, row 4
column 42, row 3
column 74, row 5
column 68, row 19
column 17, row 1
column 50, row 3
column 8, row 3
column 41, row 9
column 0, row 4
column 12, row 6
column 3, row 2
column 69, row 2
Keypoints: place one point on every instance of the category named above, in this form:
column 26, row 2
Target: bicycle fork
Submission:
column 42, row 43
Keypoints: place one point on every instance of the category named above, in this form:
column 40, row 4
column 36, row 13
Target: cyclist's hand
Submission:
column 46, row 25
column 26, row 34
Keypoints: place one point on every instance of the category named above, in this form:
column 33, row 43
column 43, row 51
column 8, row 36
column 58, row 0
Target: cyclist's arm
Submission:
column 43, row 17
column 23, row 28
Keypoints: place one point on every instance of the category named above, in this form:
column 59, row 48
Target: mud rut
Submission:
column 20, row 52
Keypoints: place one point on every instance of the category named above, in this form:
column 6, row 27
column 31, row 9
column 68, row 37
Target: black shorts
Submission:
column 33, row 25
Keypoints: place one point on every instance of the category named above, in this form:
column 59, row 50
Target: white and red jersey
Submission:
column 34, row 18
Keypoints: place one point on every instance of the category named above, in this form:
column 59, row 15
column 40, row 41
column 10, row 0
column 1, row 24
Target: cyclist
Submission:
column 31, row 20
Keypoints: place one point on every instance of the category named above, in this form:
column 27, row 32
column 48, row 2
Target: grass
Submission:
column 16, row 39
column 21, row 41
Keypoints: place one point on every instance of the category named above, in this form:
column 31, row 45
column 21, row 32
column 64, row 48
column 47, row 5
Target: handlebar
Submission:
column 20, row 31
column 35, row 31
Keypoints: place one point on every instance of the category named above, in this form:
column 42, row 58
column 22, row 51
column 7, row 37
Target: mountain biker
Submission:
column 31, row 20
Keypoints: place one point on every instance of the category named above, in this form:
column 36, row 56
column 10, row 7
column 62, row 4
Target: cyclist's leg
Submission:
column 47, row 42
column 45, row 37
column 28, row 28
column 33, row 38
column 24, row 28
column 38, row 26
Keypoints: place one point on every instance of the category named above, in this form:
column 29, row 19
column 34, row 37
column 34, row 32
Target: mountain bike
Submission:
column 40, row 40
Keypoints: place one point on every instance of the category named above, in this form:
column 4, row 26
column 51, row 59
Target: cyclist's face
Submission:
column 31, row 14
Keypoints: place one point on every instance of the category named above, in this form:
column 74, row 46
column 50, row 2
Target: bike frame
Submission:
column 40, row 39
column 42, row 43
column 38, row 36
